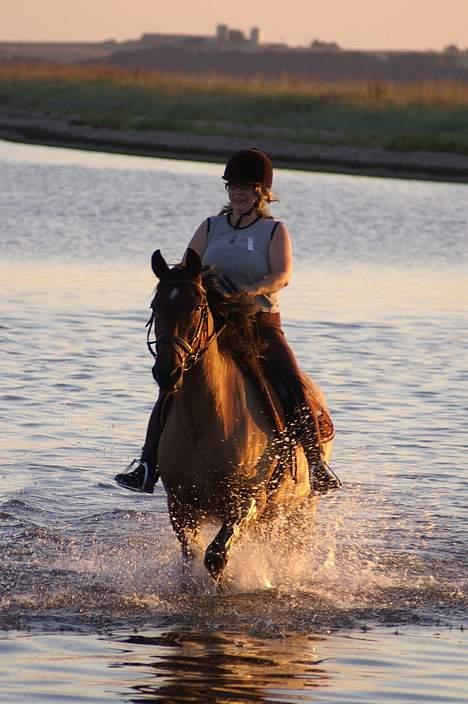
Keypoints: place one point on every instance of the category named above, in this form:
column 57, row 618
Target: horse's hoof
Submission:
column 224, row 584
column 215, row 562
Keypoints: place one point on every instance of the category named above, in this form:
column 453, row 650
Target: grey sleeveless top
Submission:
column 242, row 254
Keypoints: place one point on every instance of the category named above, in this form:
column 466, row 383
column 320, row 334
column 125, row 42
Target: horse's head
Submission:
column 181, row 319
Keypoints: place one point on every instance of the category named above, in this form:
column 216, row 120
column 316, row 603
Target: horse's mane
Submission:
column 234, row 315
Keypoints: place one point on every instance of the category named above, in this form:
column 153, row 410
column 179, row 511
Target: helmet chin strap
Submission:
column 237, row 224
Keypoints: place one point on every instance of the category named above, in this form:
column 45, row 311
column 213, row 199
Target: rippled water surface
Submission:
column 370, row 604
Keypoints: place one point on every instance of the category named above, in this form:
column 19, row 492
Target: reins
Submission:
column 186, row 351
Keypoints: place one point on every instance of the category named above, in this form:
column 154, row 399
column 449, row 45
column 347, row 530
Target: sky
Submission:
column 357, row 24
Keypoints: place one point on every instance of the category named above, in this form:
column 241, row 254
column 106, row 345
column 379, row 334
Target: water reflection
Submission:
column 185, row 666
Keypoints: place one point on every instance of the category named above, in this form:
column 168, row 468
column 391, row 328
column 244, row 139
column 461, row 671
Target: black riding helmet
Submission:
column 251, row 166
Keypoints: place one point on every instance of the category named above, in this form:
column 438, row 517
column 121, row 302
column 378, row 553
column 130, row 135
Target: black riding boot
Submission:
column 138, row 476
column 322, row 477
column 141, row 475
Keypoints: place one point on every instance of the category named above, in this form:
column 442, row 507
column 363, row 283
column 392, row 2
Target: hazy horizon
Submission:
column 353, row 24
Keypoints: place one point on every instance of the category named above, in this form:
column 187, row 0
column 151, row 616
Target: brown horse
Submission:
column 218, row 453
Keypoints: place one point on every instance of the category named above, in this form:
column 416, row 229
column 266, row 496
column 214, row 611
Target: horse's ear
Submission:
column 158, row 264
column 193, row 263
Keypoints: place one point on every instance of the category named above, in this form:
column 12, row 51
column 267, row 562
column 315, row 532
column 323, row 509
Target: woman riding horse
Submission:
column 251, row 252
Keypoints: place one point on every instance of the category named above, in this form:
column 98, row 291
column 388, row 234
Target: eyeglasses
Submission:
column 238, row 186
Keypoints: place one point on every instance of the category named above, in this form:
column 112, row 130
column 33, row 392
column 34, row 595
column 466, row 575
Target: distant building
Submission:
column 229, row 37
column 317, row 45
column 255, row 37
column 222, row 33
column 224, row 36
column 236, row 36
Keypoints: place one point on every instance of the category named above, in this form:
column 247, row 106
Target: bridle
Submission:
column 189, row 353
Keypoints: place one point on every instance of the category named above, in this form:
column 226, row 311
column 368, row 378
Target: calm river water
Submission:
column 372, row 606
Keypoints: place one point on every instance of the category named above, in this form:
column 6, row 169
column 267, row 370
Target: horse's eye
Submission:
column 198, row 308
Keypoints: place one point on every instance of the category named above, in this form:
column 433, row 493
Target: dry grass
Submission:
column 371, row 93
column 429, row 116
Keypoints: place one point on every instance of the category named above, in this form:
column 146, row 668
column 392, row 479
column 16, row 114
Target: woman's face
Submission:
column 242, row 196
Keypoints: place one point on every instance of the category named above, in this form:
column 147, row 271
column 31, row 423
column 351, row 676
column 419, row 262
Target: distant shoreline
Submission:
column 365, row 161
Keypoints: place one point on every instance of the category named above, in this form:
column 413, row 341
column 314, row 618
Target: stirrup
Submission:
column 137, row 476
column 324, row 479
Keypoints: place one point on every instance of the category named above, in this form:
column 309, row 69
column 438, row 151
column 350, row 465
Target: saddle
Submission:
column 281, row 398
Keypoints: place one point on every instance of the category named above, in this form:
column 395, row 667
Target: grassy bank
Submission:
column 400, row 117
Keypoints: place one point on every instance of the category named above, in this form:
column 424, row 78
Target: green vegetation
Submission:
column 424, row 116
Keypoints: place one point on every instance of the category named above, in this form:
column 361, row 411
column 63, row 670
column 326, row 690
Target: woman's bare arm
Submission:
column 199, row 240
column 280, row 259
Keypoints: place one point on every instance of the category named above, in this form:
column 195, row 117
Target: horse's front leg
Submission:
column 186, row 528
column 217, row 552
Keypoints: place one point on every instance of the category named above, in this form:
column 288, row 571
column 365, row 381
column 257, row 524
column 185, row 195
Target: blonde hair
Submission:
column 265, row 196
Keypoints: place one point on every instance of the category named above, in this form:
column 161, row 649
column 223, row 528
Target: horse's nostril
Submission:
column 168, row 381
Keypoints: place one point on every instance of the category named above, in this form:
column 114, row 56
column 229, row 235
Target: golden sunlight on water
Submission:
column 361, row 290
column 56, row 283
column 346, row 293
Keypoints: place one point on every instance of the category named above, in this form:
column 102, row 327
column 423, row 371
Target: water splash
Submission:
column 312, row 574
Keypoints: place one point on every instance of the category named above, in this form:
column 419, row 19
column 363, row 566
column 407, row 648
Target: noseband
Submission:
column 187, row 352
